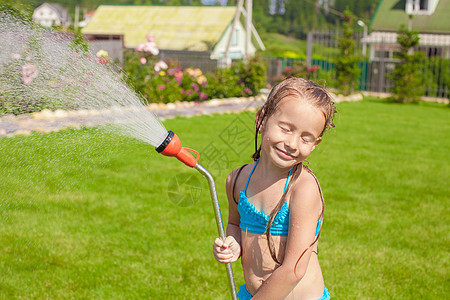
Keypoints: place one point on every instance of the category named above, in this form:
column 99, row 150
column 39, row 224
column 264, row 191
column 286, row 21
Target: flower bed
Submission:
column 161, row 81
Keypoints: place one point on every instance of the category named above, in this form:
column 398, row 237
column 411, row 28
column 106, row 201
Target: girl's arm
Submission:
column 305, row 207
column 229, row 250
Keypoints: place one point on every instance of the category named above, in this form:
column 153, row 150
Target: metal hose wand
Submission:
column 171, row 146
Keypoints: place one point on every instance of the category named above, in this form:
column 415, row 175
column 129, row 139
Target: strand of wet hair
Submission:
column 276, row 209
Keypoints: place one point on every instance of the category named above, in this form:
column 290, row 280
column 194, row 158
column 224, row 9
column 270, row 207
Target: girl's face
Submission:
column 292, row 132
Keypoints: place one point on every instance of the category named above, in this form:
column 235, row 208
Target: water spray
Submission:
column 171, row 146
column 59, row 71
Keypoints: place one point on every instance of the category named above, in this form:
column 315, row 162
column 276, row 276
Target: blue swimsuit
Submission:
column 255, row 221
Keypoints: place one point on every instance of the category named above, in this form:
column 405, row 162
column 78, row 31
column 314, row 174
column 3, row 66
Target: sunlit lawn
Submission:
column 89, row 215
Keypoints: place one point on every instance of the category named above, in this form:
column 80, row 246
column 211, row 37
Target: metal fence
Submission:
column 375, row 65
column 190, row 59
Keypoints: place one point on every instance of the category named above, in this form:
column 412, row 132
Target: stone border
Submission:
column 47, row 121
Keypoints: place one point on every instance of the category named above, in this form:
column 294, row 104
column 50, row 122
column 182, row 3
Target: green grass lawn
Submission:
column 85, row 214
column 282, row 46
column 288, row 47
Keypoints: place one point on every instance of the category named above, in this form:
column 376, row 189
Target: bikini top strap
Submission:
column 285, row 185
column 250, row 175
column 235, row 179
column 287, row 180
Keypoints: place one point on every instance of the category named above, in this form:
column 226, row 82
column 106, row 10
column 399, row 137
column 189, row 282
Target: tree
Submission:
column 347, row 70
column 407, row 78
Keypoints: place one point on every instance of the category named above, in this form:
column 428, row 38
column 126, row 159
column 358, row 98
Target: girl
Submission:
column 275, row 203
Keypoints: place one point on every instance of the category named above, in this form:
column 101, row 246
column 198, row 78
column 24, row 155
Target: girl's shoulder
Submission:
column 239, row 174
column 306, row 188
column 237, row 178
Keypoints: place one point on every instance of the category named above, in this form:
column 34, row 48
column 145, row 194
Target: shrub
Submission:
column 252, row 75
column 241, row 79
column 298, row 69
column 163, row 82
column 224, row 83
column 407, row 79
column 160, row 81
column 347, row 70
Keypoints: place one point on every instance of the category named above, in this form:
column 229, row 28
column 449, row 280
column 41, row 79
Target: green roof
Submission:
column 195, row 28
column 390, row 14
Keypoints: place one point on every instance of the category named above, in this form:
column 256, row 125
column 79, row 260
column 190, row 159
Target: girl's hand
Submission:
column 226, row 251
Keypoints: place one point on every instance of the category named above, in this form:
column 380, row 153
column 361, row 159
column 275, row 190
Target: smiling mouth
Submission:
column 284, row 154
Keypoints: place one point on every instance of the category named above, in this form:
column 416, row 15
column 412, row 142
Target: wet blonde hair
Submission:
column 312, row 93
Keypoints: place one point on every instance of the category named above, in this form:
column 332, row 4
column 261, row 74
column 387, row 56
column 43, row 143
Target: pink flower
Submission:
column 149, row 37
column 161, row 87
column 151, row 48
column 178, row 80
column 148, row 47
column 29, row 72
column 143, row 60
column 195, row 87
column 171, row 71
column 202, row 96
column 288, row 69
column 188, row 92
column 313, row 68
column 247, row 90
column 268, row 86
column 183, row 91
column 27, row 80
column 140, row 47
column 161, row 65
column 103, row 61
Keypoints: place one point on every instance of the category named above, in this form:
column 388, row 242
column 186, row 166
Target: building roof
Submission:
column 195, row 28
column 391, row 14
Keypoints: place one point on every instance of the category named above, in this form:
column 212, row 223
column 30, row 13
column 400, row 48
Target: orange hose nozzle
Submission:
column 171, row 147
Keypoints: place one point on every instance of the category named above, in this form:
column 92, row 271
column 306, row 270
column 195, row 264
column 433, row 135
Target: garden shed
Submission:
column 198, row 29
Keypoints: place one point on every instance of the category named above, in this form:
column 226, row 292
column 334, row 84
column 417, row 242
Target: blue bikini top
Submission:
column 255, row 221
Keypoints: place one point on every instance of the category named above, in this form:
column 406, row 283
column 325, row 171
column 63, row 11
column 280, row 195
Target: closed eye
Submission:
column 308, row 139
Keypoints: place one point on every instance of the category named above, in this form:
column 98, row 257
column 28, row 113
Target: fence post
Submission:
column 309, row 41
column 382, row 69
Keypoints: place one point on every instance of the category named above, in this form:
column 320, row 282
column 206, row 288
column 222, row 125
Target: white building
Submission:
column 51, row 14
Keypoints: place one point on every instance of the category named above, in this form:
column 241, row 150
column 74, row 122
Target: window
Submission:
column 421, row 7
column 276, row 7
column 431, row 51
column 235, row 38
column 382, row 54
